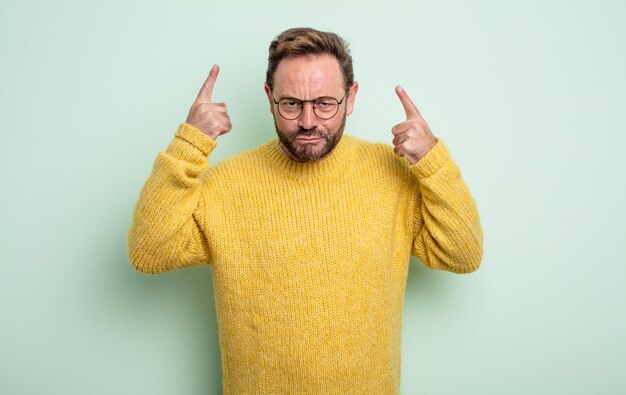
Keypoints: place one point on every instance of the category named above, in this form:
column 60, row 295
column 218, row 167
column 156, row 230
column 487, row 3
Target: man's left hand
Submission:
column 412, row 138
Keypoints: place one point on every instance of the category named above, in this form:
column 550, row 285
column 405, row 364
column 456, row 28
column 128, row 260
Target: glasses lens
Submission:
column 326, row 107
column 290, row 108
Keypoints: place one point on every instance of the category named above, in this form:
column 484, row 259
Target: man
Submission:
column 309, row 235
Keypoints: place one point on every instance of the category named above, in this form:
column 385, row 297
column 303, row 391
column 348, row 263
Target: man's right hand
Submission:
column 210, row 118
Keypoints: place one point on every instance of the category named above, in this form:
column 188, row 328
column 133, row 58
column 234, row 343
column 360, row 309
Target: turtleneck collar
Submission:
column 335, row 164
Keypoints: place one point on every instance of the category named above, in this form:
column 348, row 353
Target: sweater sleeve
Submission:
column 166, row 229
column 447, row 232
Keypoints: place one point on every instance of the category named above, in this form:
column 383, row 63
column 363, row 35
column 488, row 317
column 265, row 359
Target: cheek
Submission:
column 331, row 124
column 285, row 125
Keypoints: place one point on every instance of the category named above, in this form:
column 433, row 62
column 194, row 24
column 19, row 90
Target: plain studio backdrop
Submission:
column 529, row 96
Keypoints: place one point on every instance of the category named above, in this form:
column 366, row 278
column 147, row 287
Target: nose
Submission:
column 308, row 119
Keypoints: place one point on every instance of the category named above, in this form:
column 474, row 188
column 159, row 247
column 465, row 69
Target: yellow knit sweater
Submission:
column 309, row 260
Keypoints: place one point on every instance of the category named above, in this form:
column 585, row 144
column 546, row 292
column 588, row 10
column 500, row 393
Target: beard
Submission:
column 310, row 152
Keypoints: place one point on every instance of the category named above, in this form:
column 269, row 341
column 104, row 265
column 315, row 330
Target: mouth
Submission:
column 308, row 139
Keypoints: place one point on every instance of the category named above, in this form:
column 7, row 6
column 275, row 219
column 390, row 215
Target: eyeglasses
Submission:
column 324, row 107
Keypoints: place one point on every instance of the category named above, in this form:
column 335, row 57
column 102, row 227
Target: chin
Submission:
column 312, row 152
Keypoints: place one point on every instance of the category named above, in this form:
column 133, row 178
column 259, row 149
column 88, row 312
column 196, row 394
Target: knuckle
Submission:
column 214, row 123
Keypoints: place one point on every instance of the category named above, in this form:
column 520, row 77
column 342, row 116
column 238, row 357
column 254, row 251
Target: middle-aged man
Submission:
column 309, row 235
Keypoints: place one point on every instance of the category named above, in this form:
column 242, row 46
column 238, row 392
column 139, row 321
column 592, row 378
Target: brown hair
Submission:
column 303, row 41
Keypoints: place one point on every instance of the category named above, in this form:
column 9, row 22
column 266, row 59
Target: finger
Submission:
column 399, row 139
column 398, row 150
column 204, row 96
column 399, row 128
column 221, row 107
column 409, row 107
column 227, row 128
column 206, row 108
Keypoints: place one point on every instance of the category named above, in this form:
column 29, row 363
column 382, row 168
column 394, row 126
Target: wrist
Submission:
column 196, row 138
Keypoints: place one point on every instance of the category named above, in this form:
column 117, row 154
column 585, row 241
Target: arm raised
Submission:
column 447, row 231
column 168, row 222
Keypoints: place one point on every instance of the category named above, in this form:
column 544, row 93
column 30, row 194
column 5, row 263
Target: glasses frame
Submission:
column 312, row 101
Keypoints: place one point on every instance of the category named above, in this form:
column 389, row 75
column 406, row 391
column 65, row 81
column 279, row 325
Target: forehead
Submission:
column 308, row 76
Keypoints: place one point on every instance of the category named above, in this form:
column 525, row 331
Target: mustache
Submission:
column 308, row 132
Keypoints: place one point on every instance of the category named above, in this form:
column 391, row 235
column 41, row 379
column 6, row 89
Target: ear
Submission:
column 351, row 97
column 269, row 97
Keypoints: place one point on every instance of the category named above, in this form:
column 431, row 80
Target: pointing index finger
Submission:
column 206, row 91
column 409, row 107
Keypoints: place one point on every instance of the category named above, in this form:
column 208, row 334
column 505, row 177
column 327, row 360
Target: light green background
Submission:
column 530, row 98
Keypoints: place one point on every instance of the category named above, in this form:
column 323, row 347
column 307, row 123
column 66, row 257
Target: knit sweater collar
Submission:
column 335, row 164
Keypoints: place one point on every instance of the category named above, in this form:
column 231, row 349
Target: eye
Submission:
column 325, row 103
column 290, row 104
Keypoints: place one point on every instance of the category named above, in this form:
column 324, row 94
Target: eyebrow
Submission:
column 296, row 98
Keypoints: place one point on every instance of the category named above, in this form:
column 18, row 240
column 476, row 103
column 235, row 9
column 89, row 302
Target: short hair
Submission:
column 303, row 41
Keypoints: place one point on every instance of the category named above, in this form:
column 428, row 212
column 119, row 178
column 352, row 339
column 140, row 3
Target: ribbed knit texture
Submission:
column 309, row 260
